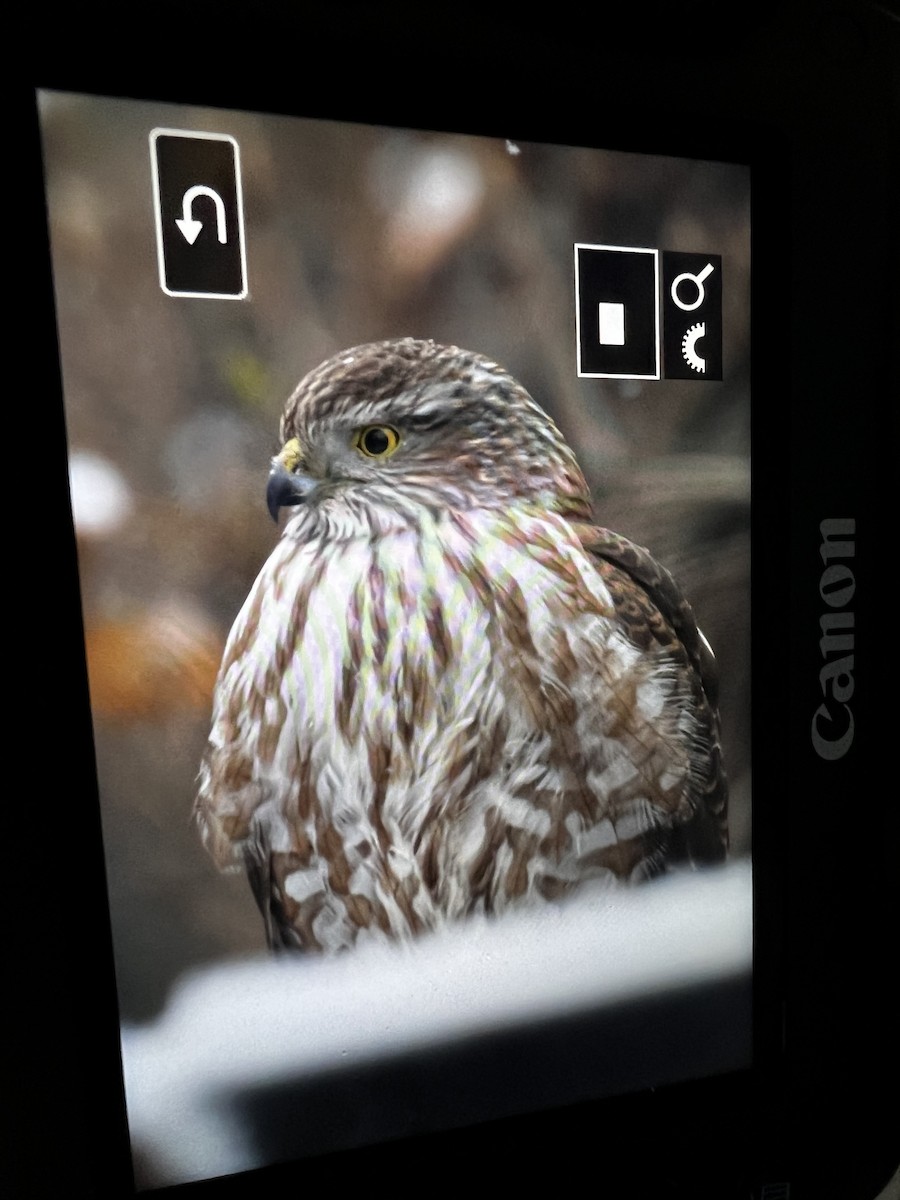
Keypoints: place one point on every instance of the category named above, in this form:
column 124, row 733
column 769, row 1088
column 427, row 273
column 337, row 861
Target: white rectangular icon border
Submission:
column 622, row 250
column 158, row 132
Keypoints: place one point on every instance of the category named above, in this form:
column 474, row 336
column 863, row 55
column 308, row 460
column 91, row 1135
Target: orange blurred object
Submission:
column 151, row 665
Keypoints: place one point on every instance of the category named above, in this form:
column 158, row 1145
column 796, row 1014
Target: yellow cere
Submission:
column 291, row 454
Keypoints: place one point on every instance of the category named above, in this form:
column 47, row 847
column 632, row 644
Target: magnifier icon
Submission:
column 697, row 281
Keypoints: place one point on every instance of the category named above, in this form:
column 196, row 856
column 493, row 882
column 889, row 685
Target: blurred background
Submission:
column 353, row 233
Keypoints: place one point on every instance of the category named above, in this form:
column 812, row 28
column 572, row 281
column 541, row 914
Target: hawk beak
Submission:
column 286, row 487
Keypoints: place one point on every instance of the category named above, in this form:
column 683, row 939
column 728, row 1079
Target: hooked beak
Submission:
column 286, row 486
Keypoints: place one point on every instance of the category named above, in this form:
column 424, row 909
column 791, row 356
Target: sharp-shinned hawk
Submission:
column 449, row 691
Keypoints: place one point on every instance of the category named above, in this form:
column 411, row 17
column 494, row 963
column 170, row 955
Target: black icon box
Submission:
column 620, row 301
column 199, row 218
column 692, row 320
column 618, row 328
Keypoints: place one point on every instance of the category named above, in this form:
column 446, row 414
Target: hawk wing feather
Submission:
column 261, row 875
column 652, row 607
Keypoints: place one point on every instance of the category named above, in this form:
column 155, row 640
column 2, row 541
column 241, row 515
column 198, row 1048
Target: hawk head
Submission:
column 433, row 424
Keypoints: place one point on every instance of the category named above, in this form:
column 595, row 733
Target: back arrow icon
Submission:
column 186, row 223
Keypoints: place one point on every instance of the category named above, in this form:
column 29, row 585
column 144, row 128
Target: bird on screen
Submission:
column 450, row 690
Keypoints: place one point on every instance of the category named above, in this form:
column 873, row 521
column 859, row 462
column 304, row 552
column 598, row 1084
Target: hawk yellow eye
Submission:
column 376, row 441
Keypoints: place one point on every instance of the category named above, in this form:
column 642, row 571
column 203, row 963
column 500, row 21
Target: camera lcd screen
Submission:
column 205, row 261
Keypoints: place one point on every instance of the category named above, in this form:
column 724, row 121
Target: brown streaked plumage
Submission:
column 449, row 691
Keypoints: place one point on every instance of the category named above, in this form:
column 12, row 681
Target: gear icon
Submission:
column 690, row 339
